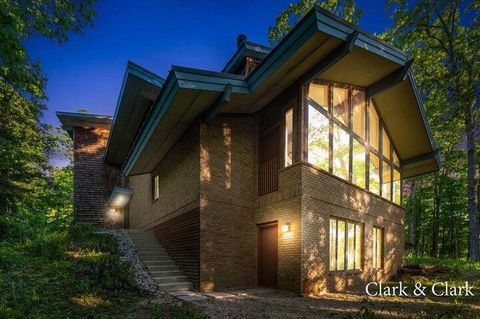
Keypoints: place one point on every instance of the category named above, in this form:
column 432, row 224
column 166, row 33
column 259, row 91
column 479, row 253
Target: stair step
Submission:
column 170, row 279
column 155, row 268
column 158, row 263
column 165, row 273
column 186, row 285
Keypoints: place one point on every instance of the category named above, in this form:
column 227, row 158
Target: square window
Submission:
column 345, row 246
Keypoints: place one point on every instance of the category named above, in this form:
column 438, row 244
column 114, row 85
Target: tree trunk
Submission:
column 473, row 247
column 435, row 219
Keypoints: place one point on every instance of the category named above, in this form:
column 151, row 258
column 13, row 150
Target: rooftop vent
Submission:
column 241, row 38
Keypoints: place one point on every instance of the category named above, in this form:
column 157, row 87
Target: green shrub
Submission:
column 176, row 311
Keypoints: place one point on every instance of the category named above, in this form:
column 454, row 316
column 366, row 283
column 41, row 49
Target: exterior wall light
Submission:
column 286, row 228
column 119, row 198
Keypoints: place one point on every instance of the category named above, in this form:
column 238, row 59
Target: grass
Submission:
column 73, row 273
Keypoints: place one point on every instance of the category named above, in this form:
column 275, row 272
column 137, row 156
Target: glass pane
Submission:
column 358, row 113
column 396, row 187
column 358, row 164
column 358, row 246
column 395, row 159
column 378, row 251
column 289, row 137
column 319, row 94
column 386, row 180
column 340, row 104
column 385, row 144
column 341, row 149
column 333, row 242
column 341, row 246
column 374, row 127
column 351, row 246
column 374, row 247
column 318, row 138
column 374, row 171
column 156, row 187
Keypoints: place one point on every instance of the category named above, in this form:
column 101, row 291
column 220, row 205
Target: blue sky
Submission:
column 86, row 72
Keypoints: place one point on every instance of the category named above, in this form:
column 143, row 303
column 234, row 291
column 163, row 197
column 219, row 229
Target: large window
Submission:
column 288, row 138
column 377, row 248
column 345, row 245
column 347, row 137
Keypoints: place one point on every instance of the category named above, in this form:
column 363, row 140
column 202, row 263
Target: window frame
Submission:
column 382, row 247
column 362, row 245
column 328, row 113
column 155, row 187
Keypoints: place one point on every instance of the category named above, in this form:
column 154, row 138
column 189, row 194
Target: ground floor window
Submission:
column 345, row 245
column 377, row 248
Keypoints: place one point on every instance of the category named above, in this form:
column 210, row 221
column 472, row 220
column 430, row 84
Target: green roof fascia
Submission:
column 419, row 100
column 247, row 48
column 143, row 74
column 182, row 78
column 320, row 20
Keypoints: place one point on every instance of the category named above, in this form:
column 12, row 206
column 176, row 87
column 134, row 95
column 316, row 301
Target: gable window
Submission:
column 347, row 137
column 377, row 248
column 155, row 187
column 288, row 160
column 345, row 246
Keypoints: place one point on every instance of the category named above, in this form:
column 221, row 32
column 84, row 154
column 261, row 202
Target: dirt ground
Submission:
column 275, row 304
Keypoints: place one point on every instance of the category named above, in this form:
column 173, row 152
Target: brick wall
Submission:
column 179, row 185
column 227, row 192
column 93, row 180
column 325, row 196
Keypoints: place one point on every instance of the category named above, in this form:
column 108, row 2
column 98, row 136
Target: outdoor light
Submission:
column 286, row 228
column 119, row 198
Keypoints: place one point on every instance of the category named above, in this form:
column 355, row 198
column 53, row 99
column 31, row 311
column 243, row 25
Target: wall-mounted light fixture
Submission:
column 286, row 228
column 119, row 198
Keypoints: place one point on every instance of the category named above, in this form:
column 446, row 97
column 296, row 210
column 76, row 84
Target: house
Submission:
column 282, row 170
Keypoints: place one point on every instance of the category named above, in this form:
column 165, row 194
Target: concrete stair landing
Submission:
column 160, row 266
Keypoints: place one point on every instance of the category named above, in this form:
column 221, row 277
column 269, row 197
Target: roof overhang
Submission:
column 246, row 48
column 139, row 91
column 354, row 57
column 70, row 120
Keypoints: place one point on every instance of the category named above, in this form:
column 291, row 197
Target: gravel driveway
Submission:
column 275, row 304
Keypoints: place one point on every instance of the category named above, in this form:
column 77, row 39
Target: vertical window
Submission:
column 156, row 187
column 318, row 138
column 395, row 159
column 374, row 174
column 341, row 152
column 385, row 144
column 358, row 113
column 396, row 187
column 319, row 94
column 386, row 180
column 289, row 137
column 377, row 248
column 345, row 245
column 358, row 163
column 374, row 127
column 340, row 104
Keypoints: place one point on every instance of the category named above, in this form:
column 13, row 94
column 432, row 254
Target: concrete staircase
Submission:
column 161, row 267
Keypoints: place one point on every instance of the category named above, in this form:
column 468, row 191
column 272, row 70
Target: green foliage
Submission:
column 289, row 17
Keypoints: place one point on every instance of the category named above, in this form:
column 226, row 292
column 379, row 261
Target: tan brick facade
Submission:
column 213, row 168
column 93, row 179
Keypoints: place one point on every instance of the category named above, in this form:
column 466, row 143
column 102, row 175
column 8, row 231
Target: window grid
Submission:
column 328, row 112
column 336, row 264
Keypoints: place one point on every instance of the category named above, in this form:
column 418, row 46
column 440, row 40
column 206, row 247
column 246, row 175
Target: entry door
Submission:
column 267, row 255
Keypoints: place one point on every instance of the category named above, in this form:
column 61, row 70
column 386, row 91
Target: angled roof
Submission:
column 70, row 120
column 322, row 43
column 138, row 92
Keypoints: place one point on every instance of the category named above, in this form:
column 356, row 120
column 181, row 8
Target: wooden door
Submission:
column 268, row 255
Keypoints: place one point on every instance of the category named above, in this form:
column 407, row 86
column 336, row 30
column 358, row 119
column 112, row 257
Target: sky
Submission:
column 87, row 71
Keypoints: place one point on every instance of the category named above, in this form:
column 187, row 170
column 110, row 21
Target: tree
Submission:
column 24, row 142
column 287, row 19
column 443, row 37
